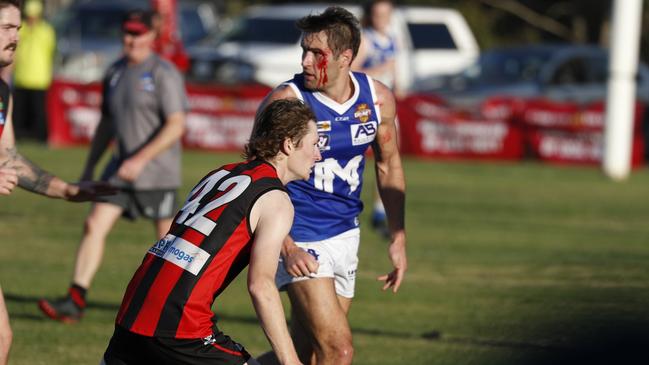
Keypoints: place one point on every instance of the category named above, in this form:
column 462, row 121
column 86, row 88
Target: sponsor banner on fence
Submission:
column 560, row 146
column 570, row 116
column 220, row 118
column 571, row 133
column 429, row 128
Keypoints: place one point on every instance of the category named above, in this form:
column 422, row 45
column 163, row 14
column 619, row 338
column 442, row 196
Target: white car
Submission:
column 436, row 41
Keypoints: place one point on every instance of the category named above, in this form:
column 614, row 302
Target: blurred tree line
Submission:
column 507, row 22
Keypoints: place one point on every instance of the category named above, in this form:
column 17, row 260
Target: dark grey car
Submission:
column 564, row 72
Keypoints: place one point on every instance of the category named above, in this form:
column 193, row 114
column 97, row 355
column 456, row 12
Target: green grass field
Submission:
column 509, row 264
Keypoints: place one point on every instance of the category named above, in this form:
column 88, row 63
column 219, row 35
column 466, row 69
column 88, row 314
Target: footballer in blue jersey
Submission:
column 320, row 256
column 329, row 203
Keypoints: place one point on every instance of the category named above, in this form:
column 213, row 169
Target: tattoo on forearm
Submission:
column 30, row 176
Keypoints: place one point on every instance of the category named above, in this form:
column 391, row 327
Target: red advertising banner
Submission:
column 571, row 133
column 220, row 118
column 570, row 116
column 586, row 147
column 428, row 128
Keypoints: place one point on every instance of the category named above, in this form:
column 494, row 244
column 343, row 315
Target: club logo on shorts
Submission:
column 313, row 253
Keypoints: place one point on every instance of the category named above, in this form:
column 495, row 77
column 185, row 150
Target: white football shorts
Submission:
column 338, row 259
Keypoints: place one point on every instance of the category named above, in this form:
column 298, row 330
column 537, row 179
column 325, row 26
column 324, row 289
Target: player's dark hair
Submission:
column 341, row 27
column 281, row 119
column 6, row 3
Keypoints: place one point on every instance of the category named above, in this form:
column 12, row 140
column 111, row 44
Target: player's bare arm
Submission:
column 271, row 218
column 392, row 186
column 171, row 132
column 16, row 170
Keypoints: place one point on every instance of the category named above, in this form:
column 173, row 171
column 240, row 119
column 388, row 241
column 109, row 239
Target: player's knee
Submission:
column 340, row 350
column 93, row 226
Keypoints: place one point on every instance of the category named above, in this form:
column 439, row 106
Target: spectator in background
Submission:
column 167, row 43
column 33, row 73
column 143, row 111
column 377, row 58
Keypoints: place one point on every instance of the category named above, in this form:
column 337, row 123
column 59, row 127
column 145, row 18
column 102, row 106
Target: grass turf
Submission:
column 509, row 264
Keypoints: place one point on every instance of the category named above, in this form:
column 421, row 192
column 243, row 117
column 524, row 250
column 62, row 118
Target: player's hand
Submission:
column 131, row 169
column 397, row 254
column 8, row 180
column 300, row 263
column 88, row 190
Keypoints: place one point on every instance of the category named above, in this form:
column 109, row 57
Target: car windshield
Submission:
column 502, row 66
column 431, row 36
column 264, row 30
column 99, row 24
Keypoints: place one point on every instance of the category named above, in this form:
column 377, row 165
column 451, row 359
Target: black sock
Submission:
column 78, row 295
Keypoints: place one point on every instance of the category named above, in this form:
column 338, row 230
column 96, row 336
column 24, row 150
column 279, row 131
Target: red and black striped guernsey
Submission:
column 208, row 244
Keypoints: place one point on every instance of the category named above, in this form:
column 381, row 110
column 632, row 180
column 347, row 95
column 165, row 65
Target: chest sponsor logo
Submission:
column 181, row 253
column 363, row 113
column 146, row 82
column 363, row 133
column 324, row 125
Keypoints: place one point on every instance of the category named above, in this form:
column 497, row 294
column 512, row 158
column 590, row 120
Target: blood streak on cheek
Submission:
column 322, row 70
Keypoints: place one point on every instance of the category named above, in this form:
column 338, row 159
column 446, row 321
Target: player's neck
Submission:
column 281, row 168
column 341, row 90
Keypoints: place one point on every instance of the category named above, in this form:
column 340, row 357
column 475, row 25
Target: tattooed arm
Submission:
column 17, row 170
column 33, row 178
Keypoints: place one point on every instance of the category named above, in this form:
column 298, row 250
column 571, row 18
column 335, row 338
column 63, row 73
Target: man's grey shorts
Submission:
column 152, row 204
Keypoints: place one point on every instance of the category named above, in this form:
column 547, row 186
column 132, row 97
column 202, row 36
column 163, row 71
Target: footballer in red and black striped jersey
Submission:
column 172, row 291
column 237, row 215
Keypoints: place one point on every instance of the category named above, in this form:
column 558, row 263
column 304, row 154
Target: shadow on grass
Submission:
column 609, row 342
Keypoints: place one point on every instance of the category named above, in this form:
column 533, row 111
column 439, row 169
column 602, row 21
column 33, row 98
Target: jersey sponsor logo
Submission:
column 325, row 172
column 180, row 253
column 324, row 125
column 323, row 142
column 146, row 82
column 363, row 133
column 363, row 112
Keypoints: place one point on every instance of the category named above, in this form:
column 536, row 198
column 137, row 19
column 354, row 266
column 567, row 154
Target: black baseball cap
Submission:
column 137, row 22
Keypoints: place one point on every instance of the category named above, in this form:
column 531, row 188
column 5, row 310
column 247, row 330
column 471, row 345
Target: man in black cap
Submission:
column 143, row 110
